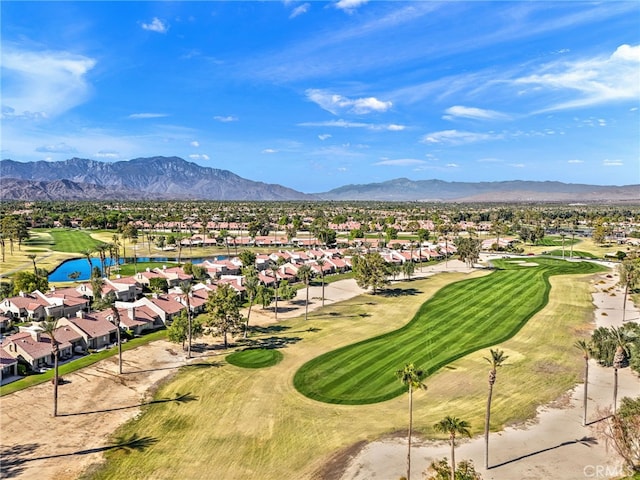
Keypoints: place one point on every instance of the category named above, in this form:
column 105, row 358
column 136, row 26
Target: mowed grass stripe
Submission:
column 387, row 352
column 460, row 319
column 72, row 241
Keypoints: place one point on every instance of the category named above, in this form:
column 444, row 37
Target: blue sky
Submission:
column 315, row 95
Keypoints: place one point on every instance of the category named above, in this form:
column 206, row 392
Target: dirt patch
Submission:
column 336, row 465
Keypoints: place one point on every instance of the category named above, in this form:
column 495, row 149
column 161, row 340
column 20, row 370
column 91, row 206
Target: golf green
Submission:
column 461, row 318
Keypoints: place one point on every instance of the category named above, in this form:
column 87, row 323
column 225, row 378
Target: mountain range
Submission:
column 175, row 178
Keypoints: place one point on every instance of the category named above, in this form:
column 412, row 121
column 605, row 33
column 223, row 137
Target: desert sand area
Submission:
column 95, row 401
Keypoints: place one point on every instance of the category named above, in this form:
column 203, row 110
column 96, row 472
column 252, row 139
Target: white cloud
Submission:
column 349, row 5
column 335, row 104
column 516, row 165
column 401, row 162
column 137, row 116
column 107, row 154
column 595, row 80
column 490, row 160
column 612, row 163
column 269, row 150
column 324, row 136
column 199, row 156
column 457, row 137
column 156, row 25
column 575, row 161
column 299, row 10
column 58, row 148
column 226, row 118
column 452, row 165
column 345, row 124
column 473, row 113
column 195, row 143
column 39, row 84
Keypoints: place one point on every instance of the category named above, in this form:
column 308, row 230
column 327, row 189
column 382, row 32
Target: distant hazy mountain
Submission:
column 156, row 177
column 403, row 189
column 175, row 178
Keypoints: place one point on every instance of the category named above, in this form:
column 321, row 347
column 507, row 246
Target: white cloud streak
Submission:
column 226, row 118
column 335, row 104
column 595, row 80
column 156, row 25
column 400, row 162
column 138, row 116
column 40, row 84
column 349, row 5
column 345, row 124
column 459, row 111
column 300, row 10
column 457, row 137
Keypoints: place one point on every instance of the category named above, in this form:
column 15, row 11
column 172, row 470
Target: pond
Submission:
column 62, row 271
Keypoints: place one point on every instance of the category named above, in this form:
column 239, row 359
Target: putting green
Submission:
column 461, row 318
column 255, row 358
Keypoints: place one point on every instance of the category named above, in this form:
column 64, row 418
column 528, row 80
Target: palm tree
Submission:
column 585, row 348
column 321, row 262
column 304, row 273
column 187, row 289
column 49, row 327
column 109, row 301
column 412, row 377
column 453, row 426
column 619, row 361
column 251, row 283
column 32, row 257
column 87, row 254
column 497, row 359
column 274, row 268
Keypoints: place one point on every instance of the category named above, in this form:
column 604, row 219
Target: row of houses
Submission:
column 81, row 330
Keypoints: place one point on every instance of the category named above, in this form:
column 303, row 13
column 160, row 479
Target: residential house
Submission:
column 97, row 331
column 8, row 365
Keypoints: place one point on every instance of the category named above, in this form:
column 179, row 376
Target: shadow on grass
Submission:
column 268, row 343
column 13, row 458
column 399, row 292
column 184, row 398
column 586, row 441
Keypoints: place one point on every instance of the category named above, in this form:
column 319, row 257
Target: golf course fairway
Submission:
column 461, row 318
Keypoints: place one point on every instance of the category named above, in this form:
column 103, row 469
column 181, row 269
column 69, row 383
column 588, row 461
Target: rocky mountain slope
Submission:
column 156, row 177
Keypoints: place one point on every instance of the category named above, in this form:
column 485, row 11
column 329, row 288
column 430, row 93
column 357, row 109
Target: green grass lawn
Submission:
column 129, row 269
column 460, row 319
column 73, row 241
column 556, row 241
column 567, row 252
column 255, row 358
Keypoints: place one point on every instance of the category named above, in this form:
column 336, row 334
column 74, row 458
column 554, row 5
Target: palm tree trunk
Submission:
column 487, row 419
column 55, row 384
column 306, row 303
column 119, row 348
column 615, row 389
column 624, row 302
column 323, row 288
column 410, row 427
column 190, row 335
column 453, row 457
column 586, row 385
column 246, row 325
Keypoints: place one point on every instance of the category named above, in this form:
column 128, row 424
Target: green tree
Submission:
column 49, row 328
column 178, row 331
column 304, row 274
column 264, row 295
column 621, row 430
column 468, row 249
column 620, row 359
column 411, row 377
column 27, row 282
column 453, row 426
column 496, row 360
column 187, row 290
column 248, row 258
column 158, row 285
column 408, row 268
column 370, row 270
column 223, row 307
column 464, row 471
